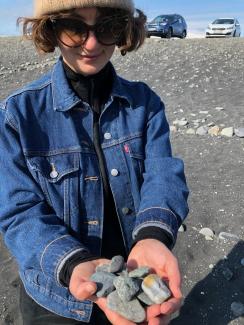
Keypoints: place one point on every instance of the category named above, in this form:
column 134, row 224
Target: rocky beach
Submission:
column 201, row 82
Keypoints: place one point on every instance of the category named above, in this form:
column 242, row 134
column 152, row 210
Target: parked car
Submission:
column 167, row 26
column 224, row 27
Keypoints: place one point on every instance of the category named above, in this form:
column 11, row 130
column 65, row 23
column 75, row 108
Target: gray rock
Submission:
column 155, row 288
column 237, row 308
column 202, row 130
column 207, row 232
column 242, row 261
column 102, row 268
column 126, row 287
column 104, row 281
column 239, row 132
column 131, row 310
column 228, row 236
column 145, row 299
column 139, row 272
column 117, row 264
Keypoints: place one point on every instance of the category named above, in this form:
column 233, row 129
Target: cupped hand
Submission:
column 82, row 288
column 153, row 253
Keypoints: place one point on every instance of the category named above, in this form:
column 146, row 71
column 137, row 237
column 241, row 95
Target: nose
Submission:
column 91, row 41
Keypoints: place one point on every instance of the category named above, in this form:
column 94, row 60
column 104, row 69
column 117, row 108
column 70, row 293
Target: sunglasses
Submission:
column 73, row 32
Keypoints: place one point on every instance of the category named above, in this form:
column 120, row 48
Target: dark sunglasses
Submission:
column 73, row 32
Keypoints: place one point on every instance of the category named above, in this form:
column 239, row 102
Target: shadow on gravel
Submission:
column 209, row 302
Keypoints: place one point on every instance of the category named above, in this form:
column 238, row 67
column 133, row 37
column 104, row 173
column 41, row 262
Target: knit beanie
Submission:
column 43, row 7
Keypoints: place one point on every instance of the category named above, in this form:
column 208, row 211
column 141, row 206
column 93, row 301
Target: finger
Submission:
column 170, row 306
column 174, row 279
column 85, row 290
column 163, row 320
column 153, row 311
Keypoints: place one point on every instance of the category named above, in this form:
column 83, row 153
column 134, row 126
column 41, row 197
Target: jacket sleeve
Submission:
column 164, row 191
column 32, row 232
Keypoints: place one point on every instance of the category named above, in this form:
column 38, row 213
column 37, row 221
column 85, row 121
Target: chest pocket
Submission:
column 58, row 176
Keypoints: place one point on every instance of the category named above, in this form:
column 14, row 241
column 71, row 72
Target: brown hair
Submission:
column 40, row 30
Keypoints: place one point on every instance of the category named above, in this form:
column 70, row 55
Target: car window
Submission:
column 224, row 21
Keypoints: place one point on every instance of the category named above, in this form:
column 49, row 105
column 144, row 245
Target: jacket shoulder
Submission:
column 35, row 85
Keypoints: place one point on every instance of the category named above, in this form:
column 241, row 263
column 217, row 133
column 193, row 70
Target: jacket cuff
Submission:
column 68, row 267
column 161, row 218
column 154, row 233
column 57, row 252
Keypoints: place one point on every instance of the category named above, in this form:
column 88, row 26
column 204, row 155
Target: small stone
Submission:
column 182, row 123
column 239, row 132
column 219, row 108
column 203, row 112
column 237, row 309
column 126, row 287
column 102, row 268
column 202, row 130
column 214, row 131
column 228, row 132
column 228, row 236
column 117, row 264
column 242, row 261
column 155, row 288
column 182, row 228
column 190, row 131
column 227, row 273
column 207, row 232
column 140, row 272
column 145, row 299
column 104, row 282
column 131, row 310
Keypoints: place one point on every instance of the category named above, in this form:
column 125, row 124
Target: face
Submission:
column 90, row 57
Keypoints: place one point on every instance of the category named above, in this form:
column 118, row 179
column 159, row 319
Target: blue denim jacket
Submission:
column 51, row 194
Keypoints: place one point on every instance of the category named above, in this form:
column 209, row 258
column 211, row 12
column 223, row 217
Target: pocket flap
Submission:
column 55, row 167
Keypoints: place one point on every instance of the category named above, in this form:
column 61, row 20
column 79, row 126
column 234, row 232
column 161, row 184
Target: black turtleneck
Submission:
column 95, row 90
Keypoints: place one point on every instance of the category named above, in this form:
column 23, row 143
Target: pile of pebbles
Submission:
column 129, row 292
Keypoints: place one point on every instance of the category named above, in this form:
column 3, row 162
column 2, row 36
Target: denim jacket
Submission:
column 51, row 193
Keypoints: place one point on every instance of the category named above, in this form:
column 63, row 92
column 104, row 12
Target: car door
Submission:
column 177, row 26
column 238, row 28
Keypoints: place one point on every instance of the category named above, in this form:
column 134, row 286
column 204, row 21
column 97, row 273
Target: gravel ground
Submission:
column 201, row 82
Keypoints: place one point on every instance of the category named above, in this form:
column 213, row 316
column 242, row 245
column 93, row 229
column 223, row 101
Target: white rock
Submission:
column 219, row 108
column 214, row 131
column 207, row 232
column 190, row 131
column 227, row 132
column 239, row 132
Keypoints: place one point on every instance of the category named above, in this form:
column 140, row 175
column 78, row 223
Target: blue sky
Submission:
column 197, row 13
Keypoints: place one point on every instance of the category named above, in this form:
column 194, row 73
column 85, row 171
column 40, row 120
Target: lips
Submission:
column 90, row 56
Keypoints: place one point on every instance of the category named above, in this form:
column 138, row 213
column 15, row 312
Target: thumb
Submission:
column 85, row 290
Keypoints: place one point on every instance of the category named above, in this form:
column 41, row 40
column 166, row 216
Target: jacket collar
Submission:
column 64, row 98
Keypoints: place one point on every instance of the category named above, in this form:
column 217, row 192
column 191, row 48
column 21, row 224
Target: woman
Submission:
column 87, row 168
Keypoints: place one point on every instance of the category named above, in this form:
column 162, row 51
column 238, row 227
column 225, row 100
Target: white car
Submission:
column 224, row 27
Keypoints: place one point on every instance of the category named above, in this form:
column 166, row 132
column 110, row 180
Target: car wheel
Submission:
column 183, row 35
column 169, row 33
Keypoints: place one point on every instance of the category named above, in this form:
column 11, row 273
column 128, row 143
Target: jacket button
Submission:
column 54, row 174
column 125, row 210
column 114, row 172
column 107, row 136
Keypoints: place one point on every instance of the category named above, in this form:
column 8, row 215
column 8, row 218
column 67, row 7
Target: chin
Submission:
column 89, row 69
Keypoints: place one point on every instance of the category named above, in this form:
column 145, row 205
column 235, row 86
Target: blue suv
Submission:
column 167, row 26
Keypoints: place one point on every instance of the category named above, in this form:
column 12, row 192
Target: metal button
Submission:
column 107, row 136
column 54, row 172
column 114, row 172
column 125, row 210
